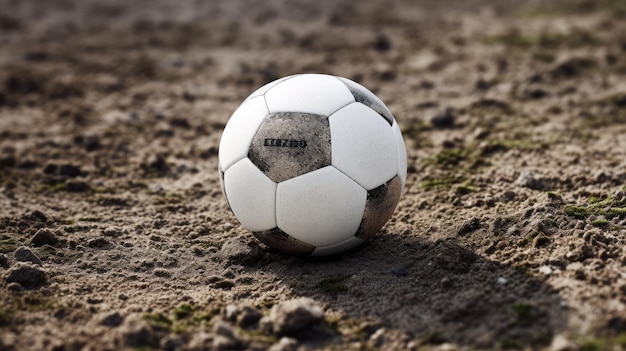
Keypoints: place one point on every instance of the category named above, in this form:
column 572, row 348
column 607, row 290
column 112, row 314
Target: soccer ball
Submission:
column 312, row 164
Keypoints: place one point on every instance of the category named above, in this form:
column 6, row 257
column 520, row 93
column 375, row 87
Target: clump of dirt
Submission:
column 114, row 232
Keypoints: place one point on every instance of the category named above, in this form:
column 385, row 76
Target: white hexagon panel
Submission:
column 311, row 93
column 363, row 145
column 240, row 130
column 320, row 208
column 251, row 195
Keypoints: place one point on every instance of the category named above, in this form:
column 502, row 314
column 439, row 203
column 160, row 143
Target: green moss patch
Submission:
column 333, row 284
column 609, row 208
column 8, row 245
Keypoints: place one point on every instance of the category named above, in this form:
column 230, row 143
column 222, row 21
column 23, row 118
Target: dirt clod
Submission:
column 290, row 317
column 43, row 237
column 27, row 275
column 25, row 254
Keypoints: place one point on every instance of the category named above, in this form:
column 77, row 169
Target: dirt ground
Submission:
column 511, row 232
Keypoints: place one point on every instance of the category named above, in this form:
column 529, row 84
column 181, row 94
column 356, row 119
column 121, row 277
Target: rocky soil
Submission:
column 114, row 233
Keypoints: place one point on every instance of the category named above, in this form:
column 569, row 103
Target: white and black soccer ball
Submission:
column 312, row 164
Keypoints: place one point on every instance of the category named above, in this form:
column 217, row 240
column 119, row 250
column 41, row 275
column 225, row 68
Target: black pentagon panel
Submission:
column 289, row 144
column 368, row 99
column 380, row 204
column 283, row 242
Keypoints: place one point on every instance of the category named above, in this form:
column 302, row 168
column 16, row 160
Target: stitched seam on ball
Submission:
column 352, row 179
column 344, row 106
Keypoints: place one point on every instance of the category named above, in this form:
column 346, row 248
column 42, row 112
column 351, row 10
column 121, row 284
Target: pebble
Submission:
column 200, row 341
column 172, row 342
column 25, row 254
column 3, row 260
column 223, row 329
column 27, row 275
column 293, row 316
column 222, row 343
column 243, row 316
column 44, row 237
column 241, row 250
column 545, row 270
column 135, row 333
column 100, row 243
column 226, row 338
column 562, row 343
column 501, row 281
column 443, row 119
column 527, row 179
column 111, row 319
column 14, row 287
column 70, row 171
column 285, row 344
column 92, row 142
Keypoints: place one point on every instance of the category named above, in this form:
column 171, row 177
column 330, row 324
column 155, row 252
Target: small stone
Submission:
column 201, row 341
column 70, row 171
column 545, row 270
column 443, row 119
column 292, row 316
column 224, row 329
column 15, row 287
column 285, row 344
column 172, row 342
column 100, row 243
column 501, row 281
column 25, row 254
column 94, row 300
column 378, row 338
column 382, row 42
column 536, row 93
column 241, row 250
column 111, row 319
column 135, row 333
column 562, row 343
column 3, row 260
column 112, row 232
column 527, row 179
column 27, row 275
column 222, row 343
column 157, row 163
column 92, row 142
column 243, row 316
column 44, row 237
column 180, row 122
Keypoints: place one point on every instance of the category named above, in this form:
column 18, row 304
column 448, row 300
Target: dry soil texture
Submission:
column 510, row 234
